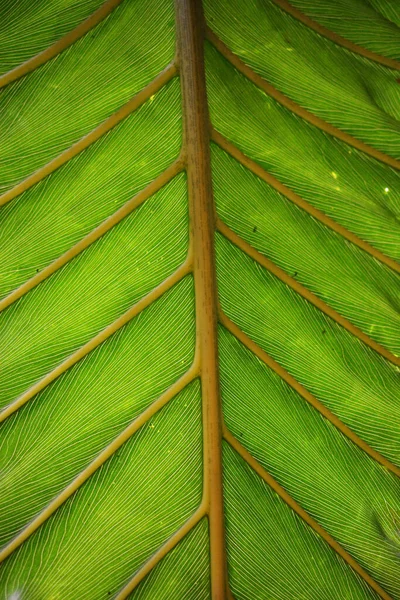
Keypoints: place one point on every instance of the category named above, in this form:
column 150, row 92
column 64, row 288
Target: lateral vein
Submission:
column 100, row 459
column 87, row 140
column 302, row 112
column 304, row 292
column 153, row 187
column 335, row 37
column 162, row 552
column 304, row 393
column 300, row 202
column 282, row 493
column 67, row 40
column 98, row 339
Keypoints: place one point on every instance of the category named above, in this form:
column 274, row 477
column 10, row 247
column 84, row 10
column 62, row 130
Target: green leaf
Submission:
column 199, row 390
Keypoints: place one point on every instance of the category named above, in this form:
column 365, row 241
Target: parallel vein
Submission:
column 169, row 282
column 101, row 458
column 201, row 262
column 304, row 292
column 304, row 393
column 96, row 233
column 296, row 199
column 153, row 87
column 161, row 552
column 236, row 445
column 305, row 114
column 60, row 45
column 334, row 37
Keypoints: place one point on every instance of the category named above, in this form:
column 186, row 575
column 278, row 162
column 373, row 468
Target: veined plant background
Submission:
column 105, row 447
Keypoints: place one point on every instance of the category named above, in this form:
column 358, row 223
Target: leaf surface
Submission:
column 199, row 326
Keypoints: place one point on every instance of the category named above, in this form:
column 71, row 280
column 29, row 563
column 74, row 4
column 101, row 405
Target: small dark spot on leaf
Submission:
column 295, row 274
column 398, row 80
column 323, row 332
column 241, row 434
column 37, row 270
column 254, row 229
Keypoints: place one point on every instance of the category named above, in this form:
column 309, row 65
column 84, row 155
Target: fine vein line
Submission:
column 255, row 168
column 255, row 465
column 190, row 34
column 100, row 459
column 154, row 186
column 143, row 303
column 302, row 112
column 303, row 291
column 162, row 552
column 335, row 37
column 140, row 98
column 67, row 40
column 304, row 393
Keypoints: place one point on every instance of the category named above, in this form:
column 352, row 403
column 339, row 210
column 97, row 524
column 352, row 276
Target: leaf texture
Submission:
column 373, row 25
column 324, row 171
column 199, row 322
column 362, row 99
column 77, row 90
column 116, row 494
column 25, row 32
column 246, row 496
